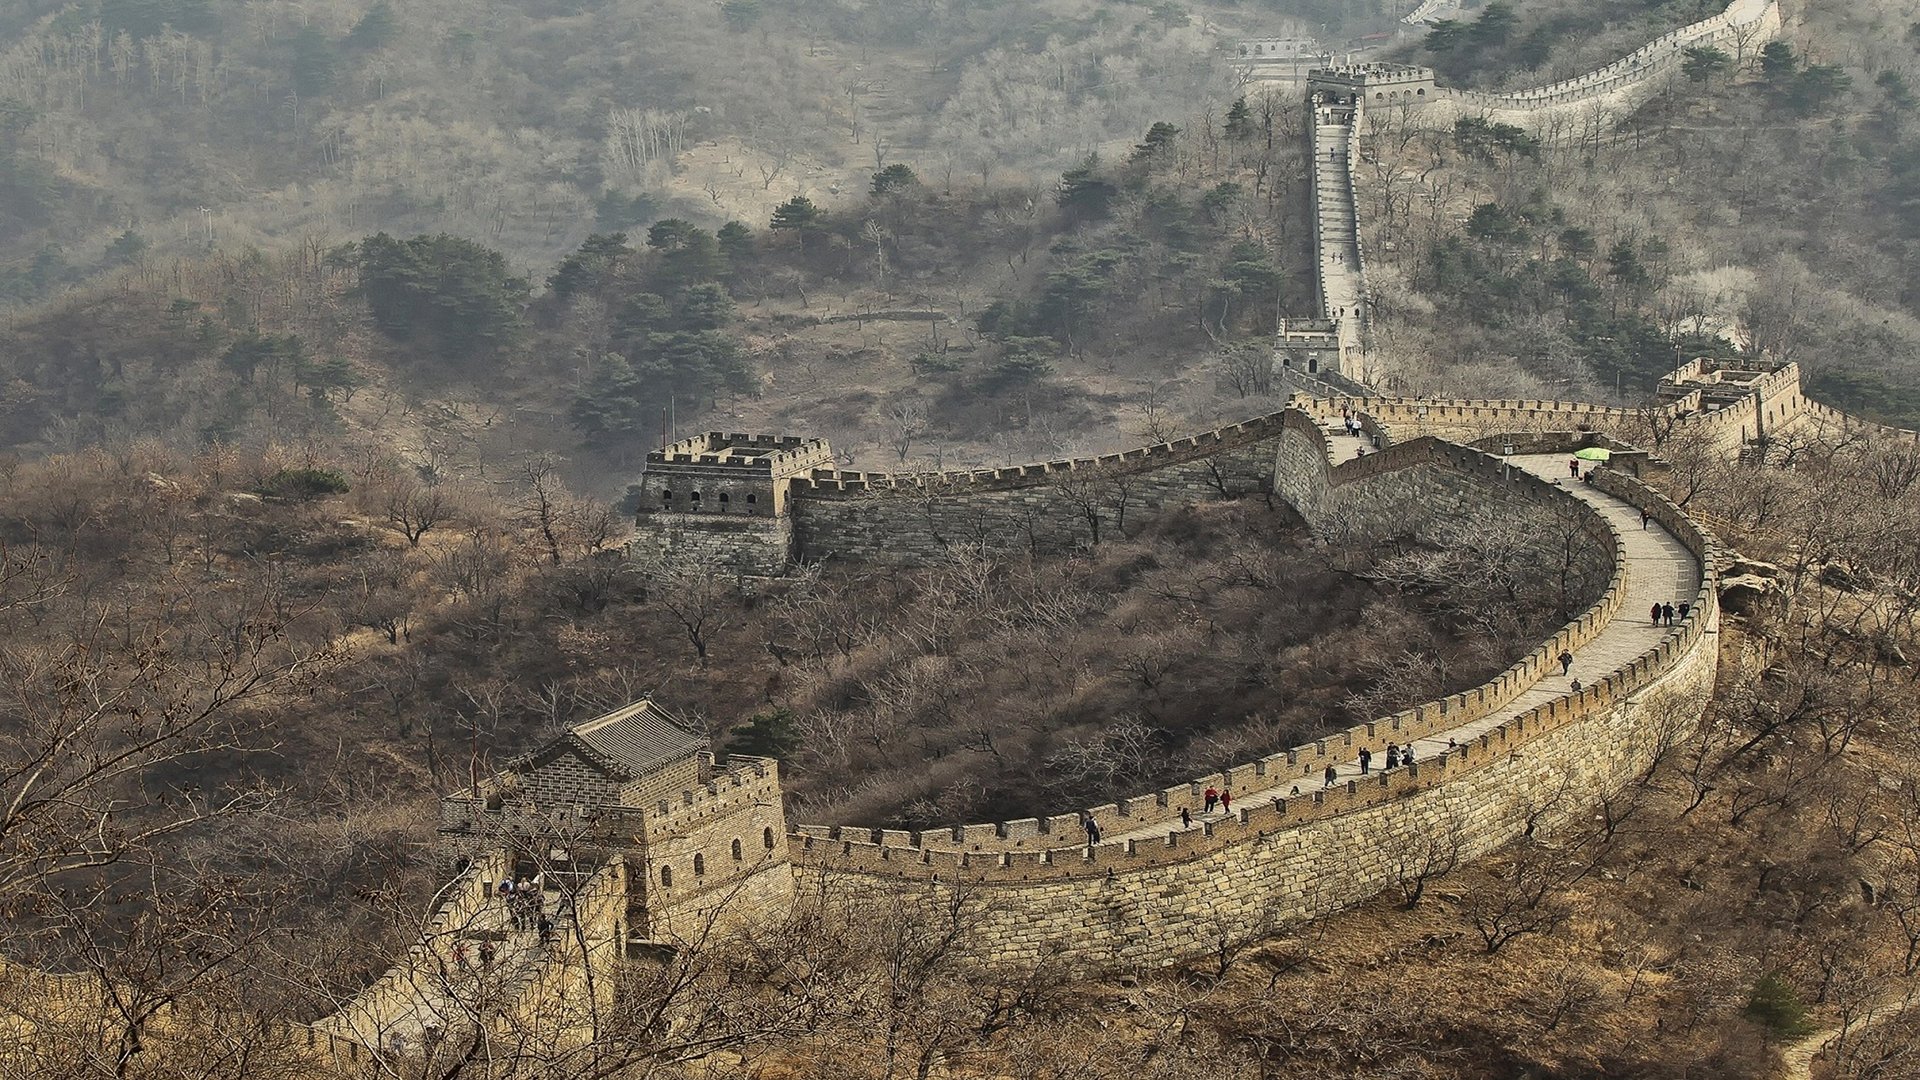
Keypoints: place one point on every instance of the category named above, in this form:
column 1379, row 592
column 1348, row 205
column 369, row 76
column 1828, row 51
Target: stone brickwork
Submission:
column 1135, row 902
column 1060, row 506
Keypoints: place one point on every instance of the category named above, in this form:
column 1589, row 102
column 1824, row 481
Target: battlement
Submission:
column 1142, row 459
column 774, row 455
column 742, row 781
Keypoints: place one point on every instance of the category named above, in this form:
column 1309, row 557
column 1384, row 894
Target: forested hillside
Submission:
column 131, row 128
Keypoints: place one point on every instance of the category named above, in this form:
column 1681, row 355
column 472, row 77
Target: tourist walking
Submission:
column 1226, row 801
column 1406, row 755
column 1576, row 686
column 1393, row 757
column 1566, row 662
column 1333, row 776
column 1213, row 797
column 487, row 953
column 1656, row 614
column 1573, row 468
column 1366, row 760
column 1666, row 612
column 460, row 956
column 1684, row 608
column 1093, row 830
column 1645, row 516
column 1186, row 818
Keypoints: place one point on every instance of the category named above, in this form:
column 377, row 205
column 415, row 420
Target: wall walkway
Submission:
column 1340, row 274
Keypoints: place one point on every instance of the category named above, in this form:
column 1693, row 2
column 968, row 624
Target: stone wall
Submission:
column 738, row 543
column 1057, row 506
column 1136, row 902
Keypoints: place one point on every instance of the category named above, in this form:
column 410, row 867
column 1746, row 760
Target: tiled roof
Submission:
column 636, row 739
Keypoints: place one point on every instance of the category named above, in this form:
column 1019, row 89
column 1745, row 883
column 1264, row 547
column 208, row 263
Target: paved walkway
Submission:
column 1659, row 569
column 1341, row 287
column 445, row 997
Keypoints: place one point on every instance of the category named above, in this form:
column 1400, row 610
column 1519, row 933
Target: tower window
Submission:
column 666, row 876
column 699, row 865
column 736, row 851
column 766, row 837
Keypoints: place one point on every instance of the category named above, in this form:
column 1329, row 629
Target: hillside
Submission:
column 335, row 335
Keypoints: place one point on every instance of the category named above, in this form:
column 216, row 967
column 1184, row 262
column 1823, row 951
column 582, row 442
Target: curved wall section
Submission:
column 1161, row 893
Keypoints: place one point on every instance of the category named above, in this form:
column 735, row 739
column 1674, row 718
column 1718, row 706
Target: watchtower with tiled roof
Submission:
column 637, row 785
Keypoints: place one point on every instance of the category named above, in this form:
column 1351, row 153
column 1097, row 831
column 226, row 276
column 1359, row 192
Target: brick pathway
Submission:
column 447, row 997
column 1659, row 568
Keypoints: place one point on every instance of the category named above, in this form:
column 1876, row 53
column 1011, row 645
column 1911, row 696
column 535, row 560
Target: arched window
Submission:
column 666, row 496
column 699, row 865
column 1420, row 92
column 750, row 499
column 767, row 838
column 723, row 498
column 695, row 496
column 736, row 851
column 666, row 876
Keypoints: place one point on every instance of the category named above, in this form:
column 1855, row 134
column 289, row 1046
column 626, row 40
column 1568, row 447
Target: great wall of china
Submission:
column 644, row 844
column 1587, row 104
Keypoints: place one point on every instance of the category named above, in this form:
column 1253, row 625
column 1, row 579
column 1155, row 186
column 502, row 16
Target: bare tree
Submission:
column 416, row 509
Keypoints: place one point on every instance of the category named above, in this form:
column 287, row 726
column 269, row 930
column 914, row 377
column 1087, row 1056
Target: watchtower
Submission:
column 1309, row 346
column 1374, row 85
column 723, row 498
column 638, row 786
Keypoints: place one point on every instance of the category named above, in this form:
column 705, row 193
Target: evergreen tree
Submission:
column 316, row 63
column 1778, row 65
column 376, row 29
column 737, row 245
column 893, row 178
column 1240, row 122
column 1082, row 194
column 451, row 295
column 589, row 267
column 797, row 215
column 1704, row 62
column 1157, row 146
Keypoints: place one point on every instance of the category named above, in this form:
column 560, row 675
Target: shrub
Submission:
column 1776, row 1005
column 304, row 485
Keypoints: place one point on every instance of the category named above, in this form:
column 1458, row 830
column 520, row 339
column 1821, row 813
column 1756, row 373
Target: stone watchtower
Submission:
column 1372, row 85
column 722, row 499
column 636, row 786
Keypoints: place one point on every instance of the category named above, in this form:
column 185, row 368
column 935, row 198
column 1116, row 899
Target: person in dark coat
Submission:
column 1186, row 818
column 1393, row 757
column 1212, row 796
column 1333, row 776
column 1666, row 612
column 1566, row 662
column 1366, row 760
